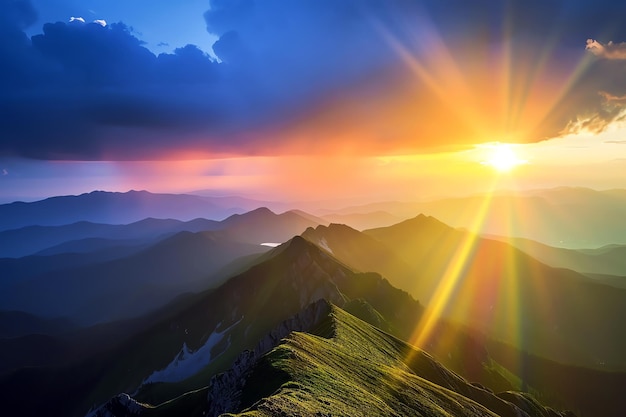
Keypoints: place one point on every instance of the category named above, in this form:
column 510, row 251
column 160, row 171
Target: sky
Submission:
column 310, row 99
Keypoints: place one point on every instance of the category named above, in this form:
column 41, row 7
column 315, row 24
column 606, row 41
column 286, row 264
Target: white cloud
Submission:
column 77, row 19
column 5, row 172
column 101, row 22
column 609, row 51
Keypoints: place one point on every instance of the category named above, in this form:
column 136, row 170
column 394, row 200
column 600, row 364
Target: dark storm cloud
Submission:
column 81, row 91
column 88, row 91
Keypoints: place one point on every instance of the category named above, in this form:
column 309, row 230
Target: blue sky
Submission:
column 162, row 24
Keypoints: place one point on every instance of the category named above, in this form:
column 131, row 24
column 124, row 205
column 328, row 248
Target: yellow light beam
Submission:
column 451, row 277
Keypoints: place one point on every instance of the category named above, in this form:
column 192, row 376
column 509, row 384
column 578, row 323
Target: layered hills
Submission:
column 492, row 286
column 112, row 208
column 170, row 365
column 97, row 286
column 563, row 217
column 608, row 261
column 525, row 333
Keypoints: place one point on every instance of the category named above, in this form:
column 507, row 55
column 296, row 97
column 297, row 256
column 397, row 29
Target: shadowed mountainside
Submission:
column 90, row 287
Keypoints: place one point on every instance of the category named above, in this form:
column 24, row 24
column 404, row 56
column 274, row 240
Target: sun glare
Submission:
column 502, row 158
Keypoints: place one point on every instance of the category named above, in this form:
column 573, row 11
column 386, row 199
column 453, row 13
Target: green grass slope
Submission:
column 350, row 368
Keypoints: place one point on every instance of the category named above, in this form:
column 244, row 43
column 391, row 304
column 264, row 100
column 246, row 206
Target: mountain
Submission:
column 171, row 361
column 110, row 208
column 607, row 260
column 128, row 286
column 562, row 217
column 362, row 221
column 257, row 226
column 105, row 285
column 492, row 286
column 332, row 363
column 248, row 306
column 31, row 342
column 48, row 240
column 362, row 252
column 114, row 248
column 344, row 366
column 209, row 333
column 17, row 323
column 262, row 225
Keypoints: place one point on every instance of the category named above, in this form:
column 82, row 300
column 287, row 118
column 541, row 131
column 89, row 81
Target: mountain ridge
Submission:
column 111, row 208
column 265, row 382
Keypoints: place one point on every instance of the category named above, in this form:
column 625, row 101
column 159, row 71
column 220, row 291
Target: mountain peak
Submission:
column 262, row 210
column 252, row 215
column 419, row 224
column 333, row 228
column 298, row 246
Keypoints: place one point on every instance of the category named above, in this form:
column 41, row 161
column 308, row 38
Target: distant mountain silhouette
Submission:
column 565, row 217
column 257, row 226
column 111, row 208
column 100, row 286
column 362, row 221
column 607, row 260
column 116, row 248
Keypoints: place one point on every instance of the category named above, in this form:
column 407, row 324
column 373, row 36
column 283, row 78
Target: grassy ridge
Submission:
column 359, row 370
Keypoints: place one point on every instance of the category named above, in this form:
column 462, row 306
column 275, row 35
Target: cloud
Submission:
column 100, row 22
column 5, row 172
column 77, row 19
column 612, row 99
column 16, row 14
column 611, row 50
column 366, row 76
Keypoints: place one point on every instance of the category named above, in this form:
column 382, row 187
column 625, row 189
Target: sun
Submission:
column 502, row 158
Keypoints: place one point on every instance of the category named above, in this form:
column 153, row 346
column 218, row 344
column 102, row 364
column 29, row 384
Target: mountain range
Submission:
column 117, row 208
column 609, row 260
column 490, row 285
column 564, row 217
column 150, row 318
column 86, row 287
column 176, row 357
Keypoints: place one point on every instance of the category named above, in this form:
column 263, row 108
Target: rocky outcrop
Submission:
column 122, row 405
column 225, row 389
